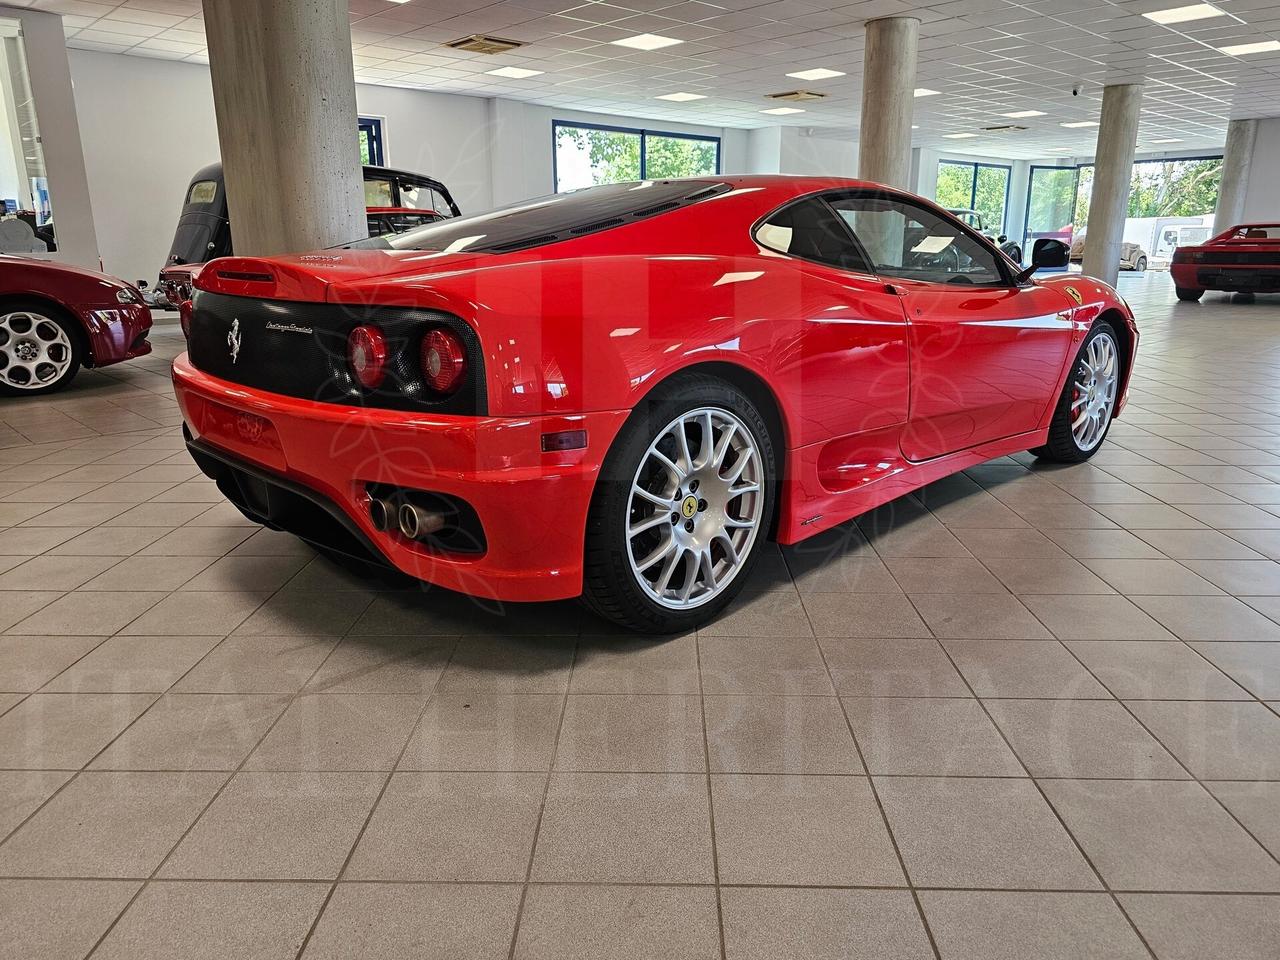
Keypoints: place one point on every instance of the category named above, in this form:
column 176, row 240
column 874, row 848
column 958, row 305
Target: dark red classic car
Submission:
column 1243, row 260
column 622, row 392
column 55, row 318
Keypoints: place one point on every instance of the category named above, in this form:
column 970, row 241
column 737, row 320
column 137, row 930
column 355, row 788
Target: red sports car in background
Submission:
column 1243, row 260
column 621, row 392
column 56, row 318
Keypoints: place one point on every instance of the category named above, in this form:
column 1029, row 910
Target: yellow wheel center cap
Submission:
column 689, row 507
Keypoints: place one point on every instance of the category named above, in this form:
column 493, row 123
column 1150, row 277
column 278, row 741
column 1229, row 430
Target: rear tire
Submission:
column 1082, row 418
column 1141, row 265
column 647, row 573
column 40, row 348
column 1188, row 294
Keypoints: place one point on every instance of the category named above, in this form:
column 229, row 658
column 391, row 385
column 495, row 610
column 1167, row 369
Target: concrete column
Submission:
column 888, row 91
column 1112, row 175
column 285, row 96
column 1236, row 159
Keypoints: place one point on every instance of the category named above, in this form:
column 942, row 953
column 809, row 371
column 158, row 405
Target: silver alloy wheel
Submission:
column 35, row 350
column 1093, row 391
column 695, row 508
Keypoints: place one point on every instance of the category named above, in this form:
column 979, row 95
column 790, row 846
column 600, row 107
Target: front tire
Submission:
column 1083, row 415
column 40, row 349
column 681, row 509
column 1188, row 294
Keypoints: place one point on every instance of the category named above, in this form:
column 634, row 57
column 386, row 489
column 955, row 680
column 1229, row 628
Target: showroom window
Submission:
column 983, row 187
column 27, row 213
column 586, row 155
column 371, row 151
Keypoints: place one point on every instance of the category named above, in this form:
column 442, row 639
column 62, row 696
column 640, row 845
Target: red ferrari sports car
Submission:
column 620, row 393
column 56, row 318
column 1244, row 260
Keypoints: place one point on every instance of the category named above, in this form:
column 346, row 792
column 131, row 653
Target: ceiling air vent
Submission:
column 480, row 44
column 1004, row 128
column 797, row 95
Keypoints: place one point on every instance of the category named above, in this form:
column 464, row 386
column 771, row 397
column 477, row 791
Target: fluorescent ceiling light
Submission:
column 681, row 97
column 926, row 92
column 515, row 73
column 1077, row 124
column 1241, row 49
column 1023, row 114
column 820, row 73
column 1168, row 140
column 647, row 41
column 1196, row 11
column 958, row 136
column 782, row 111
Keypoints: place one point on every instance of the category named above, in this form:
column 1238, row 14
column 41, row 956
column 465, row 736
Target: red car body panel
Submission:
column 113, row 331
column 1232, row 261
column 879, row 386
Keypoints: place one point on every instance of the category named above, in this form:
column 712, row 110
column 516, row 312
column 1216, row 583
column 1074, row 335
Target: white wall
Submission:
column 806, row 151
column 1262, row 200
column 489, row 152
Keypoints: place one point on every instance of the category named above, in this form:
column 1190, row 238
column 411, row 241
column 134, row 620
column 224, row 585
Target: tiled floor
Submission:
column 1031, row 713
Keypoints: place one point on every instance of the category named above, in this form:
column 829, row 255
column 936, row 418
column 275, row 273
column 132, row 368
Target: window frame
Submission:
column 377, row 138
column 644, row 133
column 975, row 166
column 1009, row 279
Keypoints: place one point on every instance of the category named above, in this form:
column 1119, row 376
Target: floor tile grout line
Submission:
column 377, row 801
column 875, row 795
column 212, row 800
column 711, row 800
column 542, row 807
column 1047, row 802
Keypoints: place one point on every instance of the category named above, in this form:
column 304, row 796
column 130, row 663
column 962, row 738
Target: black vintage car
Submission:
column 395, row 200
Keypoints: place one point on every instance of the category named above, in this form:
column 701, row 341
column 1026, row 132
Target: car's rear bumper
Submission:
column 1249, row 277
column 117, row 333
column 305, row 467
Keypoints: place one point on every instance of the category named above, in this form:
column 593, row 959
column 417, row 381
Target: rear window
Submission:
column 562, row 216
column 203, row 191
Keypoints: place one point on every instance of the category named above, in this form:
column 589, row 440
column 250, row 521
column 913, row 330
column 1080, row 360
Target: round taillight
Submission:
column 367, row 354
column 444, row 360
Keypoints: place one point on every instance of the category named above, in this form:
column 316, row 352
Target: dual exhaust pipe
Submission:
column 411, row 520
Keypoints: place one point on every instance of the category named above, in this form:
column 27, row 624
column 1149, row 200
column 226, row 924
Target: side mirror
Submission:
column 141, row 284
column 1046, row 252
column 1002, row 238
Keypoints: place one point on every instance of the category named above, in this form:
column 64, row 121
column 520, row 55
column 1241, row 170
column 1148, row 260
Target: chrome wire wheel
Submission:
column 695, row 508
column 1093, row 391
column 34, row 350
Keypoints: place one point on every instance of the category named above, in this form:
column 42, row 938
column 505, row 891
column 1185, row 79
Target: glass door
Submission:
column 1051, row 205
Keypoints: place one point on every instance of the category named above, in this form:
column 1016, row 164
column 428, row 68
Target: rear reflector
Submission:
column 564, row 440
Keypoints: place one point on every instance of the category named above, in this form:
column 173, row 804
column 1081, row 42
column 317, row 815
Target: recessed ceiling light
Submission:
column 681, row 97
column 926, row 92
column 1077, row 124
column 820, row 73
column 1022, row 114
column 515, row 73
column 782, row 111
column 647, row 41
column 915, row 126
column 1168, row 140
column 958, row 136
column 1240, row 49
column 1196, row 11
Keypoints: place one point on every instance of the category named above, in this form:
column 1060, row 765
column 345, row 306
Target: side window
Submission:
column 810, row 230
column 904, row 240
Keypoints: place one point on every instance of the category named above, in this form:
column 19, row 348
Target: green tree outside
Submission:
column 614, row 155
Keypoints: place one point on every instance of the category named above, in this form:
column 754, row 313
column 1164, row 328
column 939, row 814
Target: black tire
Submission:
column 1243, row 296
column 1062, row 446
column 1016, row 254
column 1141, row 265
column 610, row 588
column 1188, row 294
column 49, row 314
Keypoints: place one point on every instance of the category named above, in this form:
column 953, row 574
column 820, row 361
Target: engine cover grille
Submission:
column 300, row 350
